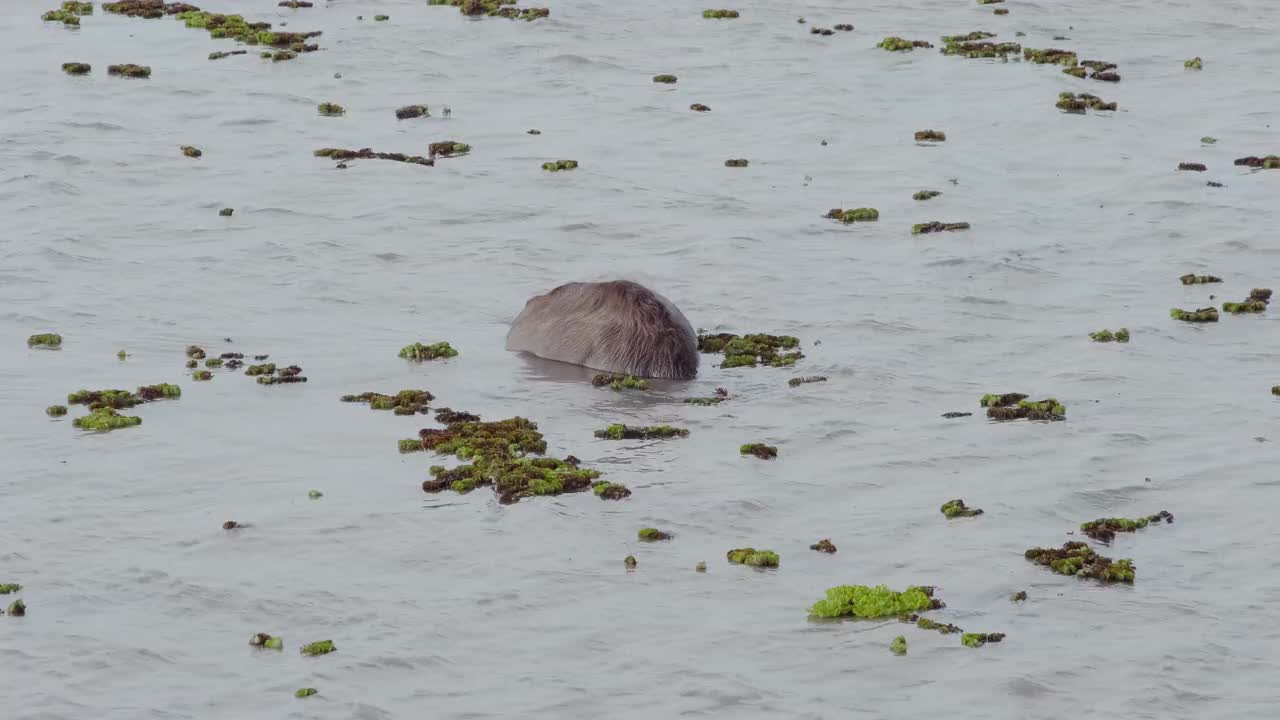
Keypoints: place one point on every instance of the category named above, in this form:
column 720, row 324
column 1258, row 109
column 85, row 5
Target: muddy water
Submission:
column 451, row 606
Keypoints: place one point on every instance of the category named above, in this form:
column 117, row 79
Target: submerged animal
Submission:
column 617, row 326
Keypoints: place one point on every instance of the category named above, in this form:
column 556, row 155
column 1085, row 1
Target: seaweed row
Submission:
column 1206, row 314
column 930, row 136
column 341, row 154
column 1077, row 558
column 618, row 431
column 436, row 351
column 897, row 44
column 935, row 226
column 405, row 402
column 751, row 350
column 853, row 215
column 753, row 557
column 45, row 340
column 1257, row 302
column 1105, row 529
column 123, row 399
column 1193, row 279
column 557, row 165
column 1105, row 336
column 760, row 450
column 287, row 45
column 926, row 195
column 495, row 8
column 1016, row 406
column 69, row 13
column 1078, row 104
column 720, row 396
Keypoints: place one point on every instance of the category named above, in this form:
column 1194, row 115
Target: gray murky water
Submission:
column 449, row 606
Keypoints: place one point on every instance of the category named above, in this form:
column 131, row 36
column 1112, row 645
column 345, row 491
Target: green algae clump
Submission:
column 667, row 79
column 753, row 557
column 760, row 450
column 75, row 68
column 1077, row 558
column 405, row 402
column 629, row 562
column 448, row 149
column 897, row 44
column 610, row 491
column 320, row 647
column 1050, row 56
column 864, row 602
column 620, row 382
column 956, row 508
column 618, row 431
column 824, row 545
column 17, row 608
column 305, row 692
column 1193, row 279
column 66, row 18
column 1105, row 529
column 1078, row 104
column 853, row 215
column 201, row 375
column 56, row 410
column 329, row 109
column 704, row 401
column 264, row 640
column 751, row 350
column 381, row 18
column 1015, row 406
column 719, row 14
column 1106, row 336
column 975, row 640
column 1194, row 63
column 559, row 165
column 129, row 70
column 926, row 195
column 798, row 381
column 104, row 419
column 419, row 351
column 7, row 588
column 45, row 340
column 898, row 646
column 653, row 535
column 1201, row 315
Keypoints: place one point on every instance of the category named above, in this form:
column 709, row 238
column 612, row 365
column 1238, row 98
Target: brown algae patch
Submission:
column 736, row 162
column 926, row 195
column 1257, row 302
column 956, row 508
column 129, row 70
column 665, row 79
column 1200, row 315
column 719, row 14
column 408, row 112
column 1270, row 162
column 935, row 226
column 447, row 149
column 1106, row 336
column 620, row 382
column 653, row 535
column 1016, row 406
column 76, row 68
column 1078, row 104
column 798, row 381
column 751, row 350
column 870, row 603
column 495, row 8
column 1077, row 558
column 760, row 450
column 558, row 165
column 45, row 340
column 329, row 109
column 1193, row 279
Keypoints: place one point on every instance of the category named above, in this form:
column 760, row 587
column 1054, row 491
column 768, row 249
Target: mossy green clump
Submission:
column 798, row 381
column 752, row 349
column 104, row 419
column 665, row 79
column 1015, row 406
column 1077, row 558
column 1194, row 63
column 1200, row 315
column 975, row 640
column 935, row 226
column 329, row 109
column 436, row 351
column 629, row 562
column 1248, row 306
column 898, row 646
column 409, row 445
column 618, row 431
column 447, row 148
column 926, row 624
column 653, row 535
column 620, row 382
column 753, row 557
column 7, row 588
column 852, row 215
column 17, row 608
column 926, row 195
column 995, row 400
column 989, row 2
column 62, row 16
column 557, row 165
column 968, row 37
column 1208, row 140
column 1078, row 104
column 1050, row 56
column 930, row 136
column 122, row 354
column 315, row 494
column 263, row 369
column 75, row 68
column 699, row 107
column 862, row 601
column 897, row 44
column 760, row 450
column 320, row 647
column 405, row 402
column 305, row 692
column 1275, row 389
column 129, row 70
column 956, row 508
column 45, row 340
column 202, row 375
column 970, row 49
column 1076, row 71
column 56, row 410
column 381, row 18
column 1105, row 529
column 1106, row 336
column 720, row 14
column 1019, row 596
column 121, row 399
column 213, row 363
column 1193, row 279
column 263, row 640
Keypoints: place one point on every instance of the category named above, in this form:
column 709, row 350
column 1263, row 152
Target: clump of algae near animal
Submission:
column 751, row 350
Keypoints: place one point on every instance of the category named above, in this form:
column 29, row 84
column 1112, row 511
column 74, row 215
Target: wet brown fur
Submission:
column 616, row 326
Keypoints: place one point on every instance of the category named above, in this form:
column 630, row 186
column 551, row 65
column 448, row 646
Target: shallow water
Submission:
column 450, row 606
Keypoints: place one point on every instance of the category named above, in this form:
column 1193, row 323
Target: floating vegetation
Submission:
column 191, row 151
column 1120, row 336
column 753, row 557
column 17, row 608
column 956, row 508
column 1077, row 558
column 935, row 226
column 824, row 545
column 1193, row 166
column 1015, row 406
column 1019, row 596
column 448, row 149
column 367, row 154
column 146, row 8
column 45, row 340
column 56, row 410
column 720, row 14
column 853, row 215
column 202, row 375
column 121, row 399
column 408, row 112
column 926, row 195
column 751, row 350
column 897, row 44
column 1208, row 314
column 495, row 8
column 227, row 212
column 898, row 646
column 419, row 351
column 231, row 525
column 329, row 109
column 405, row 402
column 1105, row 529
column 66, row 18
column 629, row 562
column 760, row 450
column 558, row 165
column 7, row 588
column 975, row 640
column 1001, row 11
column 798, row 381
column 699, row 107
column 736, row 162
column 821, row 31
column 861, row 601
column 1050, row 56
column 1270, row 162
column 620, row 382
column 930, row 136
column 666, row 79
column 618, row 431
column 967, row 37
column 129, row 70
column 381, row 18
column 315, row 494
column 320, row 647
column 720, row 396
column 76, row 68
column 843, row 27
column 104, row 419
column 610, row 491
column 409, row 445
column 1255, row 303
column 218, row 55
column 1077, row 104
column 266, row 641
column 1194, row 63
column 449, row 416
column 308, row 691
column 499, row 454
column 1193, row 279
column 653, row 535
